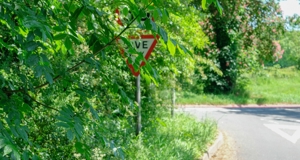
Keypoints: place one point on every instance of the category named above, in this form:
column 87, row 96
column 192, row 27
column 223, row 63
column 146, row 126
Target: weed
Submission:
column 181, row 137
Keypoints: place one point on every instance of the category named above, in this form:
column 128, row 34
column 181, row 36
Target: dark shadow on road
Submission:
column 285, row 114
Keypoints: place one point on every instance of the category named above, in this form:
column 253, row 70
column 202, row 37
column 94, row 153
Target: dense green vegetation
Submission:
column 270, row 85
column 181, row 137
column 290, row 44
column 66, row 91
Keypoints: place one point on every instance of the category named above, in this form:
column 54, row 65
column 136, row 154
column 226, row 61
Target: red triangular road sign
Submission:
column 144, row 44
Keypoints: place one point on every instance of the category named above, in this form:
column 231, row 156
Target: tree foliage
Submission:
column 289, row 44
column 66, row 91
column 241, row 36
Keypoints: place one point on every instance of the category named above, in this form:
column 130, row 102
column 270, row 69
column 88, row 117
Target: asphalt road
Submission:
column 259, row 133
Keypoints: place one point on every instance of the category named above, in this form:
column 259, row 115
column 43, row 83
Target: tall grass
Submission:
column 268, row 86
column 181, row 137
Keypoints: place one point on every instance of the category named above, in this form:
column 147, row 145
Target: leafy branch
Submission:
column 73, row 68
column 40, row 103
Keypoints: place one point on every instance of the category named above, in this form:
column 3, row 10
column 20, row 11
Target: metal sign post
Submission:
column 138, row 100
column 144, row 44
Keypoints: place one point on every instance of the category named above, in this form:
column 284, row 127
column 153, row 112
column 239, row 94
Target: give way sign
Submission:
column 144, row 44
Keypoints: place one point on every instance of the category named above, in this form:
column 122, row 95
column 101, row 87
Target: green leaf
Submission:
column 79, row 147
column 171, row 47
column 126, row 42
column 70, row 135
column 100, row 13
column 75, row 16
column 165, row 16
column 148, row 24
column 204, row 4
column 163, row 34
column 48, row 77
column 16, row 155
column 145, row 2
column 147, row 78
column 68, row 43
column 33, row 60
column 125, row 11
column 30, row 36
column 77, row 12
column 38, row 71
column 25, row 155
column 22, row 133
column 75, row 39
column 154, row 26
column 162, row 123
column 59, row 28
column 65, row 118
column 46, row 62
column 90, row 25
column 23, row 78
column 13, row 130
column 31, row 46
column 7, row 150
column 3, row 44
column 25, row 108
column 78, row 129
column 156, row 14
column 2, row 143
column 35, row 157
column 97, row 47
column 11, row 86
column 118, row 152
column 62, row 124
column 80, row 92
column 220, row 8
column 185, row 50
column 60, row 36
column 83, row 149
column 94, row 113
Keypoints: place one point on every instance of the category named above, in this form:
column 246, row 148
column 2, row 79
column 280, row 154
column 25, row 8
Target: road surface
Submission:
column 259, row 133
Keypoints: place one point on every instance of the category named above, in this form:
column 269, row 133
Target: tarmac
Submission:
column 212, row 150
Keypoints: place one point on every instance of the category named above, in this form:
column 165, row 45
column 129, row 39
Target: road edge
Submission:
column 238, row 106
column 212, row 150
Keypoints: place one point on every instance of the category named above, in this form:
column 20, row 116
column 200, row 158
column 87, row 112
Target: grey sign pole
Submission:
column 138, row 100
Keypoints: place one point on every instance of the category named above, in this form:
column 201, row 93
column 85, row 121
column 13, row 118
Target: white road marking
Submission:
column 208, row 109
column 278, row 129
column 276, row 119
column 273, row 122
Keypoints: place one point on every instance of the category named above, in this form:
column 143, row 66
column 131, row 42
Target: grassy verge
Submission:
column 181, row 137
column 269, row 86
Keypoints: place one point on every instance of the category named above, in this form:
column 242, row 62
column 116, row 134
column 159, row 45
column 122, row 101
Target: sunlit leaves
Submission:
column 61, row 65
column 204, row 4
column 171, row 47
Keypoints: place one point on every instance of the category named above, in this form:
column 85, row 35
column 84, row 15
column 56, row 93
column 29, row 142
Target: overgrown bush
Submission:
column 181, row 137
